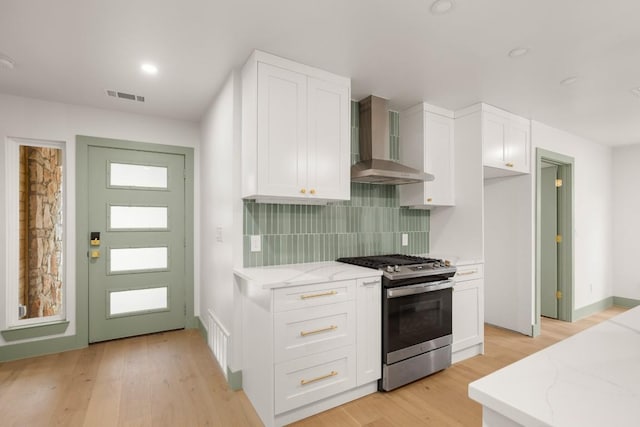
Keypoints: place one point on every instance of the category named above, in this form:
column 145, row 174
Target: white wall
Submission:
column 222, row 211
column 593, row 222
column 30, row 118
column 626, row 226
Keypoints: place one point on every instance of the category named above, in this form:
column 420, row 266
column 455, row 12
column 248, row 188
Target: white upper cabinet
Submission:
column 295, row 132
column 506, row 142
column 427, row 144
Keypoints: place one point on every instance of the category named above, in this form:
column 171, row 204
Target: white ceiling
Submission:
column 72, row 50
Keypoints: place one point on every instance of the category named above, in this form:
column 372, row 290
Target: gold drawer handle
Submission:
column 324, row 294
column 429, row 199
column 317, row 331
column 303, row 190
column 509, row 165
column 466, row 273
column 322, row 377
column 312, row 191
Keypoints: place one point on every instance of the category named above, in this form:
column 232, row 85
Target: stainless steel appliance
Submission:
column 416, row 316
column 375, row 166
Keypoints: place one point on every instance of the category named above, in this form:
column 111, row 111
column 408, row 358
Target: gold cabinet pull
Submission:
column 303, row 190
column 466, row 273
column 509, row 165
column 317, row 331
column 323, row 294
column 322, row 377
column 429, row 199
column 313, row 191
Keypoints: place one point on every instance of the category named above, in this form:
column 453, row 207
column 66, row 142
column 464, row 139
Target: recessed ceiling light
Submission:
column 569, row 81
column 148, row 68
column 519, row 51
column 636, row 91
column 440, row 7
column 6, row 62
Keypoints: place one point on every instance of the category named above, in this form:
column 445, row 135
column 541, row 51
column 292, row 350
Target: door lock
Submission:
column 94, row 254
column 95, row 238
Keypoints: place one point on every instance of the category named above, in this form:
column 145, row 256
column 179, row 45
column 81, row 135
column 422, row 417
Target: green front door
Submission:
column 137, row 242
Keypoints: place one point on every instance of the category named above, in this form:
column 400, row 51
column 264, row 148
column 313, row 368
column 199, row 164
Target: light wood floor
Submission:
column 171, row 379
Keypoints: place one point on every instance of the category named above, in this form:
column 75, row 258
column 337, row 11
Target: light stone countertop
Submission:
column 589, row 379
column 280, row 276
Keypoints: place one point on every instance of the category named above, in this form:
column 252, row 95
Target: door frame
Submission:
column 565, row 229
column 82, row 223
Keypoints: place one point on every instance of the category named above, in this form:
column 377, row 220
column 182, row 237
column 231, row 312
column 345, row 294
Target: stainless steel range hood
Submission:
column 375, row 166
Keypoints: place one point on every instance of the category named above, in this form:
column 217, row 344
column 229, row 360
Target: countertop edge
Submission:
column 289, row 275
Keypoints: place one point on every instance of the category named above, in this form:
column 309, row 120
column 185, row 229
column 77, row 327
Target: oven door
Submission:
column 416, row 319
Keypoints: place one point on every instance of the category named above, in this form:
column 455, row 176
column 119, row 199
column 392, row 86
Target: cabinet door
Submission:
column 439, row 160
column 369, row 330
column 468, row 310
column 517, row 146
column 494, row 131
column 329, row 143
column 282, row 132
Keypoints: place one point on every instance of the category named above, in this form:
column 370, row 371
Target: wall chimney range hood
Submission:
column 375, row 166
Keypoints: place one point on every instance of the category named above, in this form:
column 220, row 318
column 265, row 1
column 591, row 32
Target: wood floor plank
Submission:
column 172, row 379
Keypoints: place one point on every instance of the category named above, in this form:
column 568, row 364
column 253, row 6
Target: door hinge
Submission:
column 558, row 294
column 558, row 238
column 185, row 309
column 558, row 182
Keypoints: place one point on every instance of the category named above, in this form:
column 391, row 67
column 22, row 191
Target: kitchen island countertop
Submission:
column 589, row 379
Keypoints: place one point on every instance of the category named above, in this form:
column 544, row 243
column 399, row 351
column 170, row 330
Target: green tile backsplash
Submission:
column 371, row 223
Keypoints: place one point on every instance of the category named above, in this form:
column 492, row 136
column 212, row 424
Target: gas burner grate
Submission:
column 381, row 261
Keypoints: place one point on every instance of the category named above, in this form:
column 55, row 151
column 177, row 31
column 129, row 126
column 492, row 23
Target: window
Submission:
column 36, row 241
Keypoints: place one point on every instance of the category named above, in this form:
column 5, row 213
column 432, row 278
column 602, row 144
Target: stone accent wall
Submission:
column 44, row 230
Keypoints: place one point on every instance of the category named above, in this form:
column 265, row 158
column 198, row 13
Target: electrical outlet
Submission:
column 405, row 239
column 256, row 243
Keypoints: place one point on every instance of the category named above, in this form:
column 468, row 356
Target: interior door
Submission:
column 137, row 243
column 549, row 249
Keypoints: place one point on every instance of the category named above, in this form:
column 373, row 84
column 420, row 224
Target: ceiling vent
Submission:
column 124, row 95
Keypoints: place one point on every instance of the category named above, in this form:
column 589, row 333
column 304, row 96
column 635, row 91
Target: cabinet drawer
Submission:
column 308, row 379
column 469, row 272
column 313, row 295
column 313, row 330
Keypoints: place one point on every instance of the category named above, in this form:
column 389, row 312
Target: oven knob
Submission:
column 396, row 268
column 389, row 269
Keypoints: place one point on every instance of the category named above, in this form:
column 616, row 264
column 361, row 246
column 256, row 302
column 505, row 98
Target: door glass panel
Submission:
column 138, row 259
column 123, row 302
column 138, row 217
column 127, row 175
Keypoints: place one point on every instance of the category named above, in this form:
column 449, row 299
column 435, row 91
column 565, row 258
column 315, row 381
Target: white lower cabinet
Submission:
column 302, row 381
column 468, row 312
column 369, row 312
column 309, row 348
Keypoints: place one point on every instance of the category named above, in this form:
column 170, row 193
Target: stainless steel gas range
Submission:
column 416, row 316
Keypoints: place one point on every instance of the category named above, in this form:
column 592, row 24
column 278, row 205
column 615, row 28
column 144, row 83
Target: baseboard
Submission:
column 202, row 329
column 234, row 379
column 626, row 302
column 594, row 308
column 40, row 348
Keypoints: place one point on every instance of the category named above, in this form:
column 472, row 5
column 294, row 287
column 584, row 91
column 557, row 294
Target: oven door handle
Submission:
column 420, row 288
